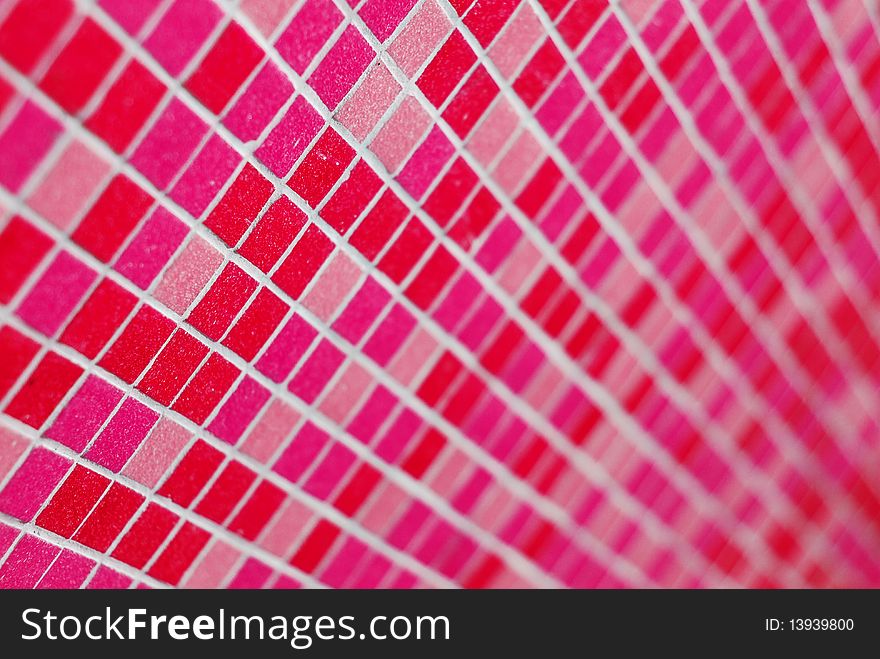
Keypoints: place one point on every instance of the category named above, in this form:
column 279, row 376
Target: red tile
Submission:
column 469, row 105
column 102, row 314
column 303, row 262
column 173, row 367
column 442, row 374
column 479, row 213
column 229, row 488
column 554, row 7
column 139, row 342
column 352, row 496
column 409, row 247
column 379, row 225
column 112, row 218
column 451, row 192
column 486, row 18
column 191, row 474
column 206, row 389
column 145, row 536
column 321, row 167
column 447, row 68
column 239, row 206
column 22, row 247
column 432, row 278
column 315, row 547
column 30, row 28
column 226, row 297
column 258, row 510
column 538, row 190
column 179, row 554
column 620, row 81
column 18, row 351
column 80, row 66
column 43, row 390
column 351, row 198
column 540, row 71
column 126, row 107
column 253, row 329
column 109, row 517
column 72, row 501
column 273, row 234
column 225, row 68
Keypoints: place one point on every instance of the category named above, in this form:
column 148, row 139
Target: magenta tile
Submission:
column 56, row 294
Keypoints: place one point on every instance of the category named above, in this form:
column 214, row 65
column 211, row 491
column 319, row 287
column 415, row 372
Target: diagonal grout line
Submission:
column 610, row 121
column 203, row 291
column 430, row 110
column 707, row 153
column 738, row 95
column 148, row 186
column 475, row 47
column 317, row 104
column 64, row 543
column 184, row 514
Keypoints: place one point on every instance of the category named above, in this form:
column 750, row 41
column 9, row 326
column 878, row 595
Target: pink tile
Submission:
column 373, row 414
column 253, row 574
column 131, row 16
column 108, row 578
column 8, row 535
column 205, row 175
column 335, row 282
column 286, row 349
column 169, row 144
column 290, row 137
column 307, row 33
column 267, row 14
column 193, row 18
column 425, row 164
column 71, row 181
column 68, row 571
column 156, row 453
column 274, row 426
column 32, row 482
column 420, row 37
column 151, row 248
column 341, row 67
column 487, row 140
column 301, row 452
column 362, row 310
column 84, row 414
column 387, row 338
column 12, row 446
column 400, row 133
column 319, row 367
column 188, row 275
column 26, row 564
column 516, row 41
column 24, row 143
column 56, row 294
column 122, row 436
column 239, row 410
column 346, row 393
column 327, row 475
column 213, row 568
column 368, row 103
column 259, row 103
column 383, row 16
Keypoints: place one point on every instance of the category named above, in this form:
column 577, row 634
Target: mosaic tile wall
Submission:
column 438, row 293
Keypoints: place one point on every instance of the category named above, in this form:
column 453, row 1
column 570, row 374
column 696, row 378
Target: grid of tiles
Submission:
column 430, row 293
